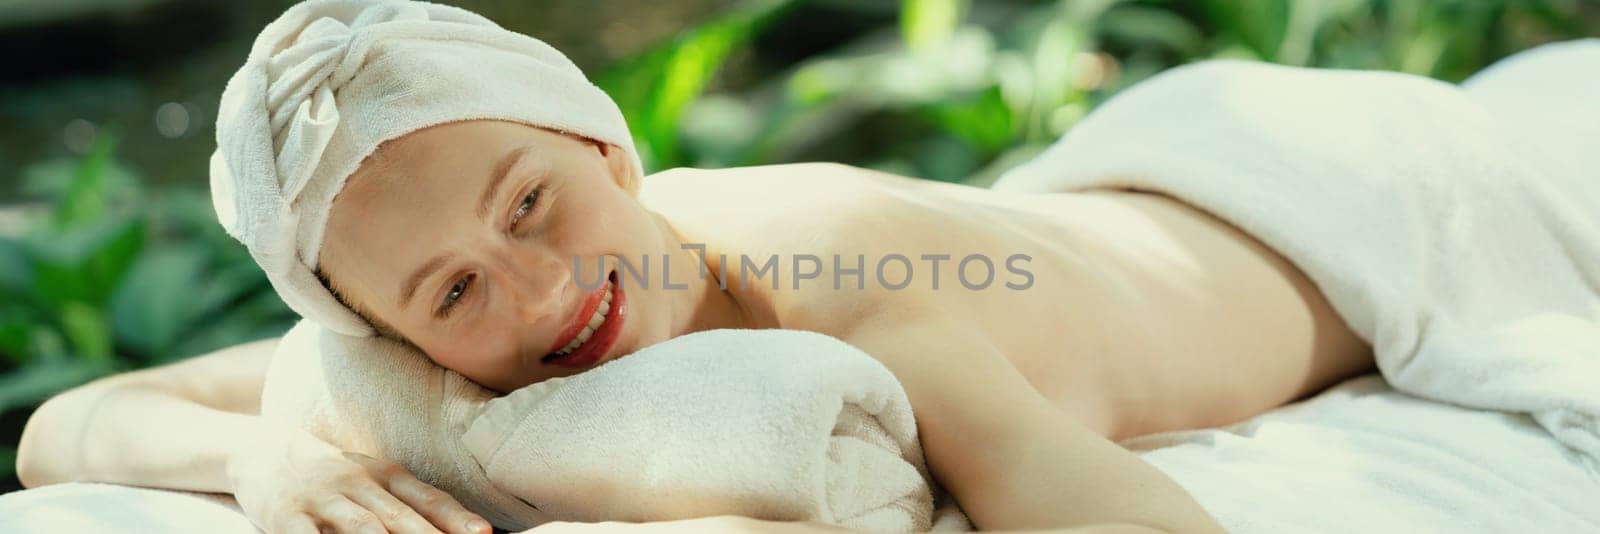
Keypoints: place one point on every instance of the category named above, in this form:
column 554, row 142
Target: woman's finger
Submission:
column 297, row 523
column 438, row 507
column 346, row 517
column 395, row 515
column 370, row 491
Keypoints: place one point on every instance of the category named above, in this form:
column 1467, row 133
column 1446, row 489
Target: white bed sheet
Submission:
column 1359, row 457
column 106, row 508
column 1362, row 457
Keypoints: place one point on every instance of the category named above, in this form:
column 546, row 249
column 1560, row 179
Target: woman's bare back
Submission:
column 1137, row 313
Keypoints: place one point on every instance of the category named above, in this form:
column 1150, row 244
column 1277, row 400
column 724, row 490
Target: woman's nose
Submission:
column 538, row 285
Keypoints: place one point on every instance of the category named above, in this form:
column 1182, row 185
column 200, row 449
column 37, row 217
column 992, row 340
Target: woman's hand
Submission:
column 708, row 525
column 288, row 481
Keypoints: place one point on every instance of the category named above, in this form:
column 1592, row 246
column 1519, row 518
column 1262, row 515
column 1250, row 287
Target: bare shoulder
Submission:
column 809, row 212
column 812, row 193
column 783, row 210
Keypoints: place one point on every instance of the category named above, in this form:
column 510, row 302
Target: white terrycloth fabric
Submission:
column 84, row 507
column 1362, row 457
column 330, row 80
column 1457, row 231
column 383, row 399
column 774, row 424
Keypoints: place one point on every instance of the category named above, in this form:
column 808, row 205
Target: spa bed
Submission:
column 1359, row 457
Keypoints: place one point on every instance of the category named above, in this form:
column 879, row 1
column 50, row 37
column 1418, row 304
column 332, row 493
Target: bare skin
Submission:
column 1143, row 314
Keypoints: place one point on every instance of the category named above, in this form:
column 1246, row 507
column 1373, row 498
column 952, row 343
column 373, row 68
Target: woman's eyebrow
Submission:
column 501, row 171
column 409, row 287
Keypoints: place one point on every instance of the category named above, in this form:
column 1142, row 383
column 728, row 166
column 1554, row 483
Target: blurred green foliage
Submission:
column 114, row 276
column 960, row 90
column 111, row 275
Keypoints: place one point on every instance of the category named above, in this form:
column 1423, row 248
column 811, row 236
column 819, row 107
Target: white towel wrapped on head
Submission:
column 330, row 80
column 773, row 424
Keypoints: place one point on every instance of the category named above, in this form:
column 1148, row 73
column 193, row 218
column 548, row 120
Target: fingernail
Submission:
column 477, row 525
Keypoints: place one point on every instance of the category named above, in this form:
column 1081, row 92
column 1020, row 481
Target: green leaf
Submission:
column 983, row 122
column 16, row 332
column 84, row 200
column 52, row 178
column 86, row 330
column 46, row 344
column 944, row 159
column 32, row 384
column 1258, row 24
column 1161, row 27
column 1053, row 56
column 924, row 23
column 85, row 265
column 654, row 89
column 16, row 269
column 159, row 299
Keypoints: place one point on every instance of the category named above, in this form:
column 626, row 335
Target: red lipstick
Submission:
column 600, row 343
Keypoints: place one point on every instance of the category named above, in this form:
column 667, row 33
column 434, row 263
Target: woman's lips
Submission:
column 581, row 319
column 594, row 350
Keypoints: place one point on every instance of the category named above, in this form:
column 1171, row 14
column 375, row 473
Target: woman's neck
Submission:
column 707, row 305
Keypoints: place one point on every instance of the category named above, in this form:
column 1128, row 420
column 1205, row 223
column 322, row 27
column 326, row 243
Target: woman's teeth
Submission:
column 595, row 321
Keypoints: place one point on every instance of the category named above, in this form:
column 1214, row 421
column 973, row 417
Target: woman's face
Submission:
column 462, row 237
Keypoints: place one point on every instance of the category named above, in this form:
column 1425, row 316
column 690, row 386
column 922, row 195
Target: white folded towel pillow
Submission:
column 773, row 424
column 381, row 398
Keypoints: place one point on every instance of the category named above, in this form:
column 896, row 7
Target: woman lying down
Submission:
column 409, row 170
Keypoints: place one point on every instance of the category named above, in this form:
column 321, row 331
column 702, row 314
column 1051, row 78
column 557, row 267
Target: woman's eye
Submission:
column 458, row 290
column 528, row 204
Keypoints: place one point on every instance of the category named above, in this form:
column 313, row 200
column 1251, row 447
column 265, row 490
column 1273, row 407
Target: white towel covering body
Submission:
column 1455, row 229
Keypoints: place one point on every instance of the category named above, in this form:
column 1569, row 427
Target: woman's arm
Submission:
column 1009, row 457
column 170, row 426
column 191, row 425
